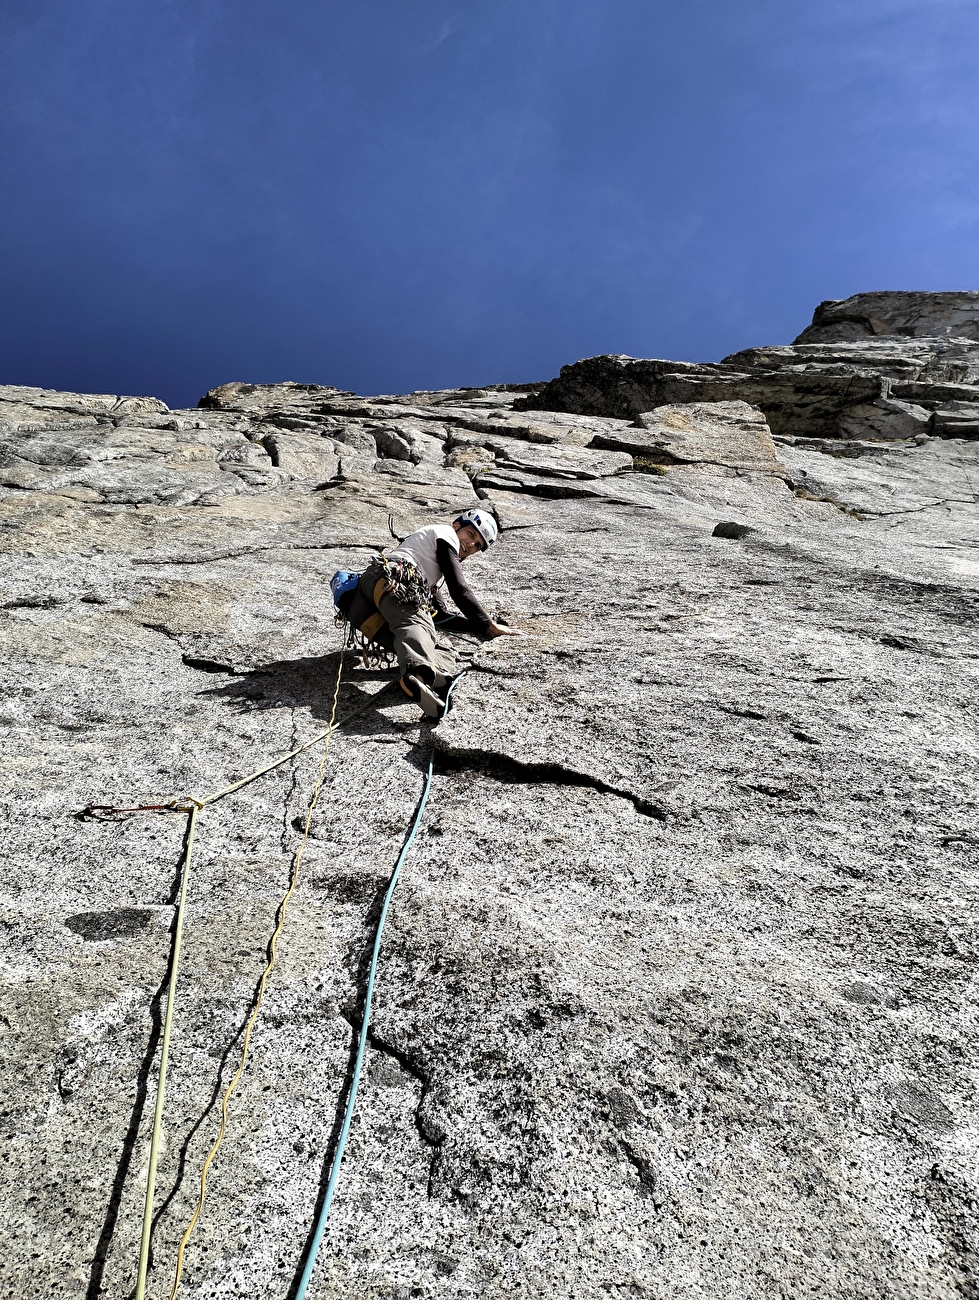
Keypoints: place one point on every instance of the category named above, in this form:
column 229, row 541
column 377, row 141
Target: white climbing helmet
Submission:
column 483, row 522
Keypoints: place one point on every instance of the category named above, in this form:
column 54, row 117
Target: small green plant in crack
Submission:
column 643, row 465
column 809, row 496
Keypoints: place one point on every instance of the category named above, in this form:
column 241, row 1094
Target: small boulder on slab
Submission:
column 734, row 531
column 905, row 313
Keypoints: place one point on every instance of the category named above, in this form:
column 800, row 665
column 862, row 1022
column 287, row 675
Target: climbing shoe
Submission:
column 424, row 697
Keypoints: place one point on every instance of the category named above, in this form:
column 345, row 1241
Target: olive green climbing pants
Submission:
column 416, row 643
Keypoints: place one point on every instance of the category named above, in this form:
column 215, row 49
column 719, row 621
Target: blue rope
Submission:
column 365, row 1027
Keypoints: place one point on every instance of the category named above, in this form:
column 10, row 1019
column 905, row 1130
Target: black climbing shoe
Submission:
column 424, row 697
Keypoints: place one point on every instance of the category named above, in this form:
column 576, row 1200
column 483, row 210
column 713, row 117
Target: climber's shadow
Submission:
column 307, row 683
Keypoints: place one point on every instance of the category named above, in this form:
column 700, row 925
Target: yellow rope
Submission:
column 191, row 806
column 144, row 1242
column 280, row 922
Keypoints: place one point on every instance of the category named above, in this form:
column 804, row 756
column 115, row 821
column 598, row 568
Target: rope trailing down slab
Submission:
column 144, row 1242
column 334, row 1178
column 193, row 807
column 269, row 967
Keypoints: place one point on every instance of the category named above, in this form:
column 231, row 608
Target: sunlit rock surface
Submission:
column 678, row 995
column 895, row 312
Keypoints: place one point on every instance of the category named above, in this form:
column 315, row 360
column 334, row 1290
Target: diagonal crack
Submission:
column 646, row 1172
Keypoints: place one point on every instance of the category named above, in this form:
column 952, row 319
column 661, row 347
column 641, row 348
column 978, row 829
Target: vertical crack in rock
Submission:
column 645, row 1170
column 295, row 768
column 429, row 1135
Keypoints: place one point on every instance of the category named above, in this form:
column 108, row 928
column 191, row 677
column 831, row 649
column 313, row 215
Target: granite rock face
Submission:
column 678, row 995
column 912, row 315
column 890, row 388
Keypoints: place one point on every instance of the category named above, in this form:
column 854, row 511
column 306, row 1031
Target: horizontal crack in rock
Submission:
column 339, row 545
column 504, row 768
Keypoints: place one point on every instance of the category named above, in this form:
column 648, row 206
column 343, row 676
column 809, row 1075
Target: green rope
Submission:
column 334, row 1178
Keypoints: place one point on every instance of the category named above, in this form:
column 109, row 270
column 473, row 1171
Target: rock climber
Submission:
column 399, row 603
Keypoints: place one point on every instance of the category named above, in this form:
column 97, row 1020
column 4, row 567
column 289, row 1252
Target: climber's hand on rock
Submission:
column 501, row 629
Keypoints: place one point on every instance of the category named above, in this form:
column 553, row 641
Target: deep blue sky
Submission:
column 397, row 194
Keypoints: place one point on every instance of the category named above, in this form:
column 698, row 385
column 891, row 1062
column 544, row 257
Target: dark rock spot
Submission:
column 316, row 832
column 623, row 1107
column 737, row 712
column 915, row 1103
column 35, row 602
column 869, row 995
column 120, row 923
column 350, row 886
column 806, row 738
column 900, row 642
column 206, row 665
column 773, row 791
column 946, row 840
column 728, row 528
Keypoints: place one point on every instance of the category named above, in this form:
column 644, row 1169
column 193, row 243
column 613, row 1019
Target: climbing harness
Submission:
column 193, row 807
column 400, row 579
column 362, row 638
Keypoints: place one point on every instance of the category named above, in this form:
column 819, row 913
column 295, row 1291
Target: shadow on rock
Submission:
column 306, row 683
